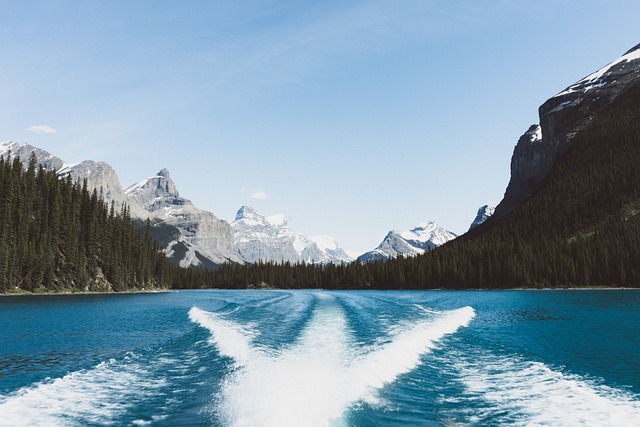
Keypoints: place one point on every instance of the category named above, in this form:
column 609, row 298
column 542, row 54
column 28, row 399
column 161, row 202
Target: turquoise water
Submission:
column 296, row 358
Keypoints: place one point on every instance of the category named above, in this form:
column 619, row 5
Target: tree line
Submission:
column 56, row 235
column 580, row 227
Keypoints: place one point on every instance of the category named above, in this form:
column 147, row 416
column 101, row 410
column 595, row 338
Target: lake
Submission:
column 320, row 358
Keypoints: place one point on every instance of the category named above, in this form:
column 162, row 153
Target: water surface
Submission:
column 279, row 358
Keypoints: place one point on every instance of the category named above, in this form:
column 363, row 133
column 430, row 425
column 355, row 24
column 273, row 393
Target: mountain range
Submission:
column 570, row 215
column 260, row 238
column 192, row 237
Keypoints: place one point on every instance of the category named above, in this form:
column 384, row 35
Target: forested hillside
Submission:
column 580, row 227
column 55, row 236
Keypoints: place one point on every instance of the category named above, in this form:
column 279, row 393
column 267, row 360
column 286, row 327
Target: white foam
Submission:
column 93, row 396
column 532, row 394
column 317, row 379
column 384, row 364
column 231, row 339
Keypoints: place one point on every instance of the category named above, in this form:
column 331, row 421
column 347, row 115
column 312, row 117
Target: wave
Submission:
column 321, row 375
column 231, row 339
column 402, row 354
column 525, row 393
column 91, row 396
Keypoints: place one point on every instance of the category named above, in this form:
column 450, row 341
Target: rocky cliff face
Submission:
column 156, row 192
column 47, row 160
column 561, row 117
column 260, row 238
column 191, row 236
column 425, row 236
column 320, row 250
column 104, row 179
column 202, row 234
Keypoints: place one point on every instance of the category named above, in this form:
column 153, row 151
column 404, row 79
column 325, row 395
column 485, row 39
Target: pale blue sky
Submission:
column 351, row 117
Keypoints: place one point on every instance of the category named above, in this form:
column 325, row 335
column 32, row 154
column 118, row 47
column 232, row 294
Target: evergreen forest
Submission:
column 579, row 228
column 57, row 236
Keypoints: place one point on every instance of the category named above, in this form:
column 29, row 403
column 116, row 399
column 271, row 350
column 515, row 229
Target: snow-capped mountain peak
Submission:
column 597, row 79
column 155, row 192
column 484, row 213
column 269, row 238
column 427, row 235
column 46, row 159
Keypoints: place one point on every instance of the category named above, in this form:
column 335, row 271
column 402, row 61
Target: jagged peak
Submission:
column 159, row 185
column 247, row 212
column 484, row 213
column 249, row 215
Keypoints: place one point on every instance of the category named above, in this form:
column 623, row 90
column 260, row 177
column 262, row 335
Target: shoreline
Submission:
column 67, row 293
column 162, row 291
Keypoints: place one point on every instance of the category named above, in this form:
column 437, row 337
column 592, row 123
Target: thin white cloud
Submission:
column 259, row 195
column 41, row 129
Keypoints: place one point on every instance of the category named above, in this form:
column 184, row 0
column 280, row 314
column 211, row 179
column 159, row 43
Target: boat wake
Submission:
column 95, row 396
column 324, row 373
column 524, row 393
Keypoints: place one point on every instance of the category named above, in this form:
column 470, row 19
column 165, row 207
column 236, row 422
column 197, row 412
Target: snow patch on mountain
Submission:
column 46, row 159
column 562, row 117
column 269, row 238
column 484, row 213
column 427, row 235
column 595, row 79
column 201, row 231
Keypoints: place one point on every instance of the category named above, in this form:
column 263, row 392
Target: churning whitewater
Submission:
column 323, row 373
column 320, row 358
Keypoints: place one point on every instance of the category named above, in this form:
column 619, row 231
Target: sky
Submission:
column 353, row 118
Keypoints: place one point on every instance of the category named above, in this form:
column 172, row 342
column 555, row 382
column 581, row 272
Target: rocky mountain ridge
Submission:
column 201, row 233
column 416, row 241
column 261, row 238
column 561, row 118
column 191, row 236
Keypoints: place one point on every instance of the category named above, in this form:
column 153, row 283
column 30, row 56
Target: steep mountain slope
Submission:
column 189, row 236
column 104, row 179
column 99, row 175
column 562, row 117
column 201, row 234
column 425, row 236
column 24, row 151
column 320, row 250
column 579, row 223
column 260, row 238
